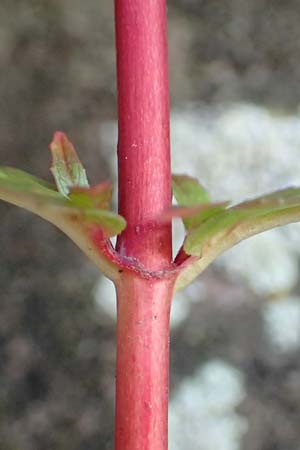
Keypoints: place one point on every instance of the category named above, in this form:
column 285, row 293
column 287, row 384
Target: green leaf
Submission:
column 194, row 201
column 221, row 222
column 89, row 205
column 221, row 232
column 66, row 167
column 110, row 222
column 211, row 210
column 257, row 210
column 188, row 191
column 98, row 196
column 15, row 180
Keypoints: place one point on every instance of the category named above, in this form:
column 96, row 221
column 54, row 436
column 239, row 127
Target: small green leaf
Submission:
column 220, row 222
column 197, row 219
column 254, row 211
column 91, row 205
column 193, row 216
column 194, row 201
column 188, row 191
column 110, row 222
column 98, row 196
column 66, row 167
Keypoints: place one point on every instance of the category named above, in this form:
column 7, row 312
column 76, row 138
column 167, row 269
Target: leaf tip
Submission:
column 60, row 146
column 66, row 166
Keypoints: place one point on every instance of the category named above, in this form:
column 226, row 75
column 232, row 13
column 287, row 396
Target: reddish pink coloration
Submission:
column 142, row 364
column 60, row 139
column 182, row 259
column 61, row 143
column 143, row 148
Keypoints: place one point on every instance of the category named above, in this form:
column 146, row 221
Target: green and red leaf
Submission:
column 88, row 205
column 227, row 228
column 78, row 210
column 66, row 167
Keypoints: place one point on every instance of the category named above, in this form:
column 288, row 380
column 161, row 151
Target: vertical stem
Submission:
column 143, row 147
column 144, row 192
column 142, row 364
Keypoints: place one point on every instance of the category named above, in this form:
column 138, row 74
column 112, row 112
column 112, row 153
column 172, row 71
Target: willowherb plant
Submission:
column 141, row 264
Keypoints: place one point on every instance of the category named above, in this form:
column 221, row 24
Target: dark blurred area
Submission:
column 56, row 354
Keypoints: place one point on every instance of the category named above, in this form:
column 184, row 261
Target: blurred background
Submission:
column 235, row 347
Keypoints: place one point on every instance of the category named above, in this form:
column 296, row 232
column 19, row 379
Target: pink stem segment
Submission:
column 143, row 147
column 142, row 364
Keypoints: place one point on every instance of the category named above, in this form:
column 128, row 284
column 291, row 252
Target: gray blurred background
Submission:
column 235, row 96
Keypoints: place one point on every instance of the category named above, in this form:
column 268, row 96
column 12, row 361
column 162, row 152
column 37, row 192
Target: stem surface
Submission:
column 142, row 364
column 144, row 193
column 144, row 144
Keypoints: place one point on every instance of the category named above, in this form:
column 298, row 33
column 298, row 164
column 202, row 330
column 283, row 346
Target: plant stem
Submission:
column 144, row 193
column 143, row 147
column 142, row 364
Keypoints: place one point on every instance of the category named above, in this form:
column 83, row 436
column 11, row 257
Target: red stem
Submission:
column 142, row 364
column 144, row 192
column 143, row 147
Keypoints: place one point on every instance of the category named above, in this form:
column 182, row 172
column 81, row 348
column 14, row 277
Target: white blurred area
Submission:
column 282, row 323
column 237, row 151
column 202, row 415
